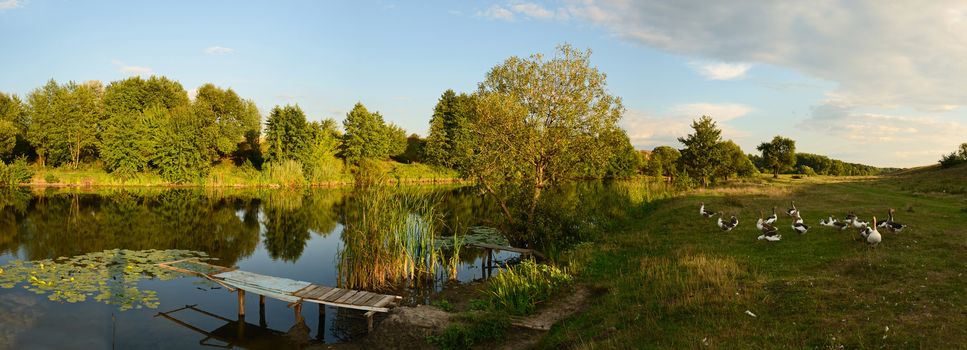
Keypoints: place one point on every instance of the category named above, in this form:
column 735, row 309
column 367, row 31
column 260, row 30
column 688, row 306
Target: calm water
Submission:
column 295, row 234
column 292, row 234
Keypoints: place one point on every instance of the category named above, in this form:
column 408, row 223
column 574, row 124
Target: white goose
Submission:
column 798, row 225
column 891, row 225
column 772, row 218
column 858, row 223
column 728, row 225
column 828, row 222
column 792, row 211
column 706, row 213
column 769, row 233
column 873, row 236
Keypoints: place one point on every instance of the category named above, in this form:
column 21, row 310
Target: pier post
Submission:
column 241, row 303
column 262, row 322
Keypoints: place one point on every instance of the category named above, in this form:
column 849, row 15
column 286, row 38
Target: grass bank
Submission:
column 227, row 175
column 671, row 279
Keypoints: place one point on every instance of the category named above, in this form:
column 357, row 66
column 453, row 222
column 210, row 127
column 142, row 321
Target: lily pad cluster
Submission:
column 109, row 276
column 474, row 235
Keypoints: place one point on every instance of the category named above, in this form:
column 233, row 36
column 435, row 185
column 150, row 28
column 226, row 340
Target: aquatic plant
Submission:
column 519, row 289
column 389, row 238
column 109, row 276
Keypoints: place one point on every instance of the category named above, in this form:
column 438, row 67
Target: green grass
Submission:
column 471, row 329
column 673, row 280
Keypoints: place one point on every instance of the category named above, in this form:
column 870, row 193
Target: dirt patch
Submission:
column 408, row 327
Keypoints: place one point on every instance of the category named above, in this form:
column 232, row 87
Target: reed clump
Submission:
column 519, row 289
column 389, row 237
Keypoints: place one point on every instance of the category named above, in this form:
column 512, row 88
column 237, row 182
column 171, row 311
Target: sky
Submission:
column 872, row 82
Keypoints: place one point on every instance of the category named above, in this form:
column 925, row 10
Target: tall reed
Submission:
column 389, row 239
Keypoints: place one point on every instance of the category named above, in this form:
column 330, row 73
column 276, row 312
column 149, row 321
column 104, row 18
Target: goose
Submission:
column 772, row 218
column 850, row 216
column 799, row 226
column 792, row 211
column 706, row 213
column 728, row 225
column 873, row 236
column 891, row 225
column 857, row 223
column 769, row 233
column 841, row 225
column 828, row 222
column 865, row 231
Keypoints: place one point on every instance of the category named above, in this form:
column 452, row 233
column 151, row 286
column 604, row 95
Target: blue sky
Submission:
column 860, row 82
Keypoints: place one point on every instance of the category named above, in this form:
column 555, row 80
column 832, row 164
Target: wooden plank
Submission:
column 354, row 300
column 386, row 300
column 332, row 297
column 328, row 294
column 305, row 291
column 507, row 248
column 371, row 300
column 322, row 290
column 342, row 300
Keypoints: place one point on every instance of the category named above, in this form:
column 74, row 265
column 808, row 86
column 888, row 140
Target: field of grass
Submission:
column 671, row 279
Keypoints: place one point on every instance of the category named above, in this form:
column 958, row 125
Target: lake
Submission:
column 296, row 234
column 79, row 265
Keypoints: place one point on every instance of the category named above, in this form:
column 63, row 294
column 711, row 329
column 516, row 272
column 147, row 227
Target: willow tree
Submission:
column 538, row 122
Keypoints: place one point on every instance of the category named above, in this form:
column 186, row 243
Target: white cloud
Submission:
column 219, row 50
column 132, row 70
column 721, row 71
column 532, row 10
column 880, row 139
column 899, row 53
column 497, row 12
column 647, row 130
column 9, row 4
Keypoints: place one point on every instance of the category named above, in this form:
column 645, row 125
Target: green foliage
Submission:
column 537, row 124
column 15, row 173
column 8, row 138
column 415, row 148
column 472, row 329
column 664, row 162
column 319, row 158
column 224, row 118
column 181, row 156
column 286, row 173
column 778, row 155
column 955, row 158
column 286, row 134
column 519, row 289
column 449, row 143
column 51, row 178
column 368, row 136
column 443, row 304
column 735, row 162
column 623, row 161
column 703, row 154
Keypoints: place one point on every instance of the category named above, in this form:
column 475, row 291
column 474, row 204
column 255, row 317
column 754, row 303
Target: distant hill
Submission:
column 932, row 179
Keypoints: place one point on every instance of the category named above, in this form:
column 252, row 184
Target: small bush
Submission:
column 16, row 173
column 519, row 289
column 472, row 329
column 51, row 178
column 443, row 304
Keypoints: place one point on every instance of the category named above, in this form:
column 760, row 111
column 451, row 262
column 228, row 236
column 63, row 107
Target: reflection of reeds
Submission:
column 388, row 239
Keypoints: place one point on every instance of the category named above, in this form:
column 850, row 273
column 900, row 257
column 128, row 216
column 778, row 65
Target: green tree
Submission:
column 624, row 160
column 136, row 110
column 735, row 161
column 415, row 150
column 80, row 124
column 286, row 134
column 43, row 111
column 13, row 126
column 702, row 155
column 225, row 118
column 664, row 162
column 369, row 137
column 779, row 154
column 535, row 119
column 319, row 159
column 448, row 143
column 180, row 154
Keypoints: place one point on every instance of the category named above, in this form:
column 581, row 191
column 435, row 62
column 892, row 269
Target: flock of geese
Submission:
column 771, row 233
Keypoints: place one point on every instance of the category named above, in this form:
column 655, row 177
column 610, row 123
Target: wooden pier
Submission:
column 289, row 290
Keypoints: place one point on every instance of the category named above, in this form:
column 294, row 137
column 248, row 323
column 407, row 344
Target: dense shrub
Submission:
column 15, row 173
